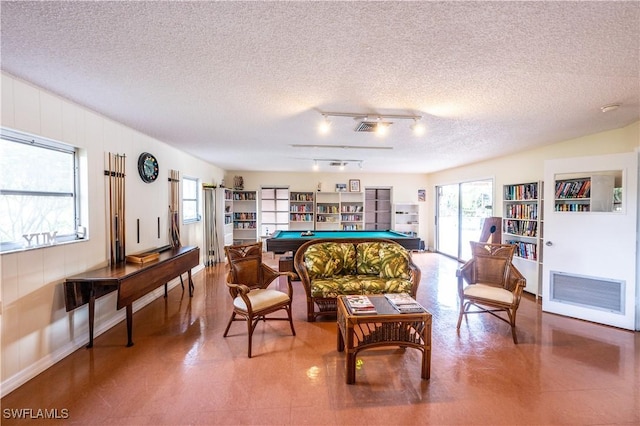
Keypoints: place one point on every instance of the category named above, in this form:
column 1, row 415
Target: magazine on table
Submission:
column 359, row 304
column 404, row 303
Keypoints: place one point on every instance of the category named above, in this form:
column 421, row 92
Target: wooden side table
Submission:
column 386, row 327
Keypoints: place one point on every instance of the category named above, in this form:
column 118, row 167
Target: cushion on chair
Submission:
column 326, row 260
column 261, row 299
column 394, row 261
column 368, row 258
column 489, row 292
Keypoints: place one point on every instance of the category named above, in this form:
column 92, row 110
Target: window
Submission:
column 274, row 208
column 38, row 192
column 190, row 200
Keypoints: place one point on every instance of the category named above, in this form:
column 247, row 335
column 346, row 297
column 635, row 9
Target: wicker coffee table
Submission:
column 386, row 327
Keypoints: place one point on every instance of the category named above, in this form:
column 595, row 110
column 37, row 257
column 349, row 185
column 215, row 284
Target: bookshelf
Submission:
column 301, row 211
column 224, row 198
column 328, row 211
column 351, row 211
column 406, row 218
column 522, row 225
column 245, row 217
column 585, row 194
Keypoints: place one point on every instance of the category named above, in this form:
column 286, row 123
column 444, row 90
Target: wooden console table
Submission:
column 130, row 280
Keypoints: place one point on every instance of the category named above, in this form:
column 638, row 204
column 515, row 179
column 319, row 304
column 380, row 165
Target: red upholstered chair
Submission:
column 247, row 280
column 494, row 284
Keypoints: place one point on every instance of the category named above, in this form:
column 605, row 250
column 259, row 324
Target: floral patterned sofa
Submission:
column 332, row 267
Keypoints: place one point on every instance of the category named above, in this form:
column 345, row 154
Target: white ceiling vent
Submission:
column 371, row 126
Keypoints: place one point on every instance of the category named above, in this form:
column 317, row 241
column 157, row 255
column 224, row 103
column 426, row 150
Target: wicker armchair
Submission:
column 248, row 279
column 494, row 283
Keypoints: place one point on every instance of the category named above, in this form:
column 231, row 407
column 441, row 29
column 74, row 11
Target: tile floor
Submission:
column 182, row 371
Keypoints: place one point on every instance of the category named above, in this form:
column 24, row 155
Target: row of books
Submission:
column 521, row 211
column 572, row 207
column 301, row 217
column 573, row 189
column 525, row 250
column 526, row 191
column 402, row 302
column 301, row 197
column 527, row 228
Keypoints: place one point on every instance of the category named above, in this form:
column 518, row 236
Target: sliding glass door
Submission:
column 461, row 210
column 448, row 220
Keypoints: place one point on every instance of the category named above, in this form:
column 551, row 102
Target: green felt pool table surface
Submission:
column 284, row 241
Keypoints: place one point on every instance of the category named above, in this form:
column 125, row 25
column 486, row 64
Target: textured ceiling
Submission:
column 239, row 84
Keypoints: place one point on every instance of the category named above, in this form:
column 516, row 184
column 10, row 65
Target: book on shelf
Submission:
column 404, row 303
column 360, row 304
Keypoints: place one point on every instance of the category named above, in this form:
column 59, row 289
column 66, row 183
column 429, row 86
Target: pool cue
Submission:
column 111, row 234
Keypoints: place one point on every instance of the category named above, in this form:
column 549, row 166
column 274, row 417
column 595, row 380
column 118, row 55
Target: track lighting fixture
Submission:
column 341, row 164
column 374, row 123
column 609, row 108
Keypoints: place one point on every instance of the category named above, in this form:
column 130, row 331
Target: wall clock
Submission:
column 148, row 167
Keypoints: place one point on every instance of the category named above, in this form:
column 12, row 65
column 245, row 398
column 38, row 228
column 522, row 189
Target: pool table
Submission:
column 283, row 241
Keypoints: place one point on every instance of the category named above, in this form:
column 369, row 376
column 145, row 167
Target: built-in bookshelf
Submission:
column 339, row 211
column 245, row 217
column 406, row 218
column 328, row 211
column 301, row 211
column 351, row 211
column 522, row 225
column 224, row 199
column 585, row 194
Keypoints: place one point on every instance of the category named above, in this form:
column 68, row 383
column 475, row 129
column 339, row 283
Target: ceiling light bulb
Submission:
column 342, row 166
column 324, row 126
column 315, row 165
column 382, row 129
column 418, row 128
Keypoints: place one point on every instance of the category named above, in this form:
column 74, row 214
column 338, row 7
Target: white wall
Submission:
column 36, row 329
column 528, row 166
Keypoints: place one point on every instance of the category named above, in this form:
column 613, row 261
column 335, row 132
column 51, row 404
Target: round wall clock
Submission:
column 148, row 167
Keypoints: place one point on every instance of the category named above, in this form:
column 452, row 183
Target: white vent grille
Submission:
column 597, row 293
column 371, row 126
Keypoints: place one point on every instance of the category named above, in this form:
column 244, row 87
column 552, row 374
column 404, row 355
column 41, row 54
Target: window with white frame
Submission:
column 190, row 200
column 39, row 202
column 274, row 209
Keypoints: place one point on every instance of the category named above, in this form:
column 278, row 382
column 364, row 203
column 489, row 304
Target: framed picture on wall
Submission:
column 422, row 195
column 354, row 185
